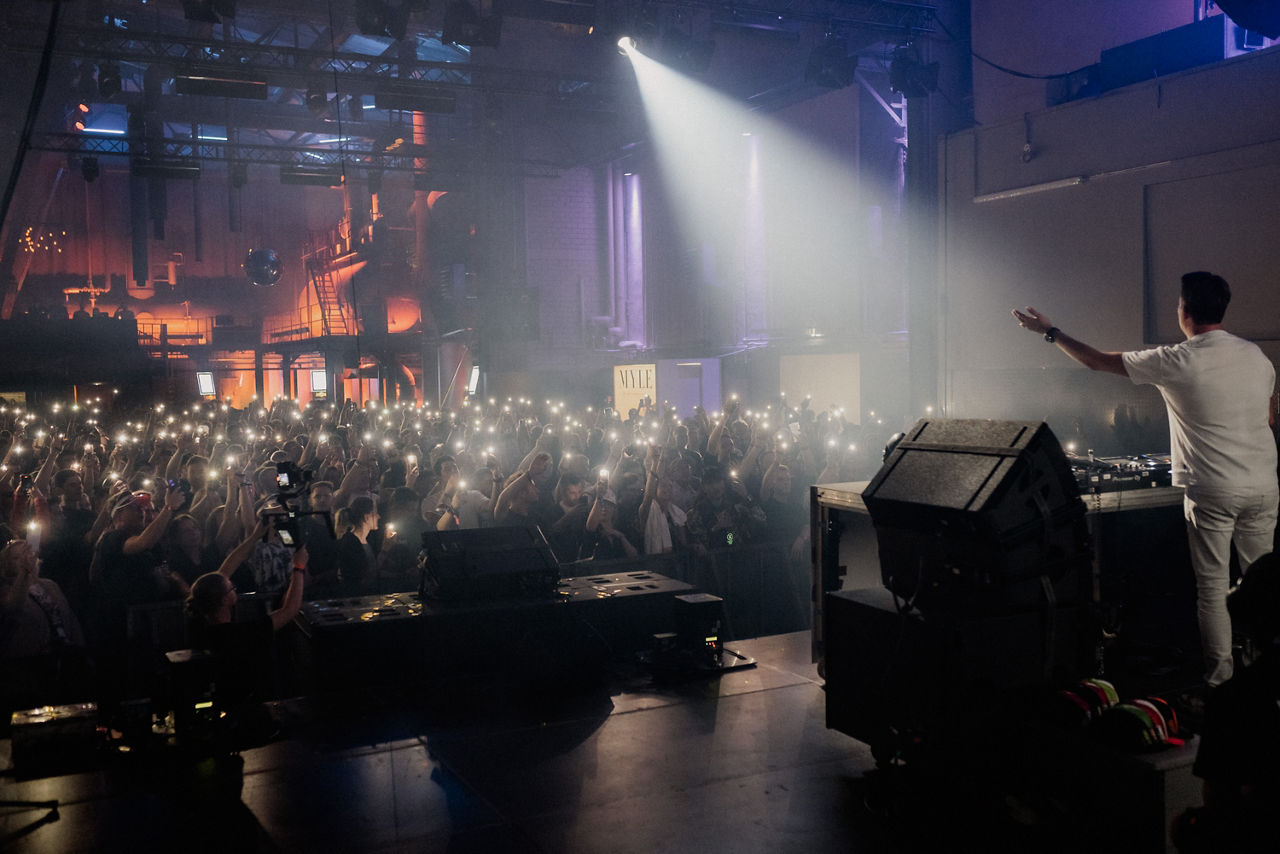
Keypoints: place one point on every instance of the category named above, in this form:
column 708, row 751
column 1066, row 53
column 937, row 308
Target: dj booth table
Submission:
column 405, row 638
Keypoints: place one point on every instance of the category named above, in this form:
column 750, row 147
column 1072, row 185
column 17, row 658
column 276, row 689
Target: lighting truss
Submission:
column 288, row 66
column 458, row 160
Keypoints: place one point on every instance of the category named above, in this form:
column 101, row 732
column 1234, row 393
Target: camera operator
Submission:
column 242, row 649
column 268, row 562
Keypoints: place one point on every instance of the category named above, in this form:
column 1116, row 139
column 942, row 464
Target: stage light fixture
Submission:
column 1262, row 16
column 909, row 76
column 626, row 44
column 830, row 65
column 463, row 25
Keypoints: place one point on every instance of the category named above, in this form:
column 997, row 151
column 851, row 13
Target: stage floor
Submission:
column 738, row 762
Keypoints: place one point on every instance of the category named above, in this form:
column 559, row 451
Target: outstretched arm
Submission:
column 1094, row 360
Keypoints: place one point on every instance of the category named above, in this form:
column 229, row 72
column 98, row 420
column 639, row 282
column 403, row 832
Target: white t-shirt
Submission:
column 1218, row 388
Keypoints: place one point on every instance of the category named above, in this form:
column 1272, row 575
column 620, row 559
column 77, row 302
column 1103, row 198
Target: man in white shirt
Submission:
column 1217, row 388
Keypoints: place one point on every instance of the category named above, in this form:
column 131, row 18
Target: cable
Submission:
column 997, row 66
column 342, row 170
column 37, row 96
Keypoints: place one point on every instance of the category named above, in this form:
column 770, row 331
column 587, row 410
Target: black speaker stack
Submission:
column 985, row 562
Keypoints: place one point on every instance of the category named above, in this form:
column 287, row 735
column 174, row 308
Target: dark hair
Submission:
column 403, row 496
column 360, row 507
column 172, row 529
column 1205, row 297
column 567, row 480
column 206, row 595
column 64, row 475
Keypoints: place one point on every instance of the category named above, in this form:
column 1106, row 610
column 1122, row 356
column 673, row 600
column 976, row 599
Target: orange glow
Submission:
column 402, row 314
column 237, row 385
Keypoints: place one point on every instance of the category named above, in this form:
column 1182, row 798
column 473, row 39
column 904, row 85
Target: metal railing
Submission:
column 185, row 332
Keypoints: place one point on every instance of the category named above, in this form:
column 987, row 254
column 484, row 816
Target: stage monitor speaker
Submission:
column 964, row 507
column 487, row 563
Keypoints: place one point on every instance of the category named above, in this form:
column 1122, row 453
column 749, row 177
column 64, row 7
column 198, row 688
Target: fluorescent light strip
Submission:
column 1030, row 189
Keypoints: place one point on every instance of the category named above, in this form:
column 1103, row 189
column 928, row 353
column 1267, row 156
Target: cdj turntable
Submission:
column 1112, row 474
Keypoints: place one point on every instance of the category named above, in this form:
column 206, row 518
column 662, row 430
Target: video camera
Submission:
column 291, row 481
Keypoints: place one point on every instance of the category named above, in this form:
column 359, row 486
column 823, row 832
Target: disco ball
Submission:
column 263, row 267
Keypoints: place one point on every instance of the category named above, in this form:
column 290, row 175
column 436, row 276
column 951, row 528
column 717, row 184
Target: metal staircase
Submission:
column 334, row 317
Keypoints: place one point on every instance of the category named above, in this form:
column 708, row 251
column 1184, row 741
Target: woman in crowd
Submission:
column 185, row 549
column 358, row 562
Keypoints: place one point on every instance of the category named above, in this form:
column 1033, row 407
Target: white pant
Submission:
column 1215, row 519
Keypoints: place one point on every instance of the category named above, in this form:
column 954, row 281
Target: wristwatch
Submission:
column 1051, row 334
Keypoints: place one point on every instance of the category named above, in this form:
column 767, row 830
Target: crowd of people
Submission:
column 199, row 501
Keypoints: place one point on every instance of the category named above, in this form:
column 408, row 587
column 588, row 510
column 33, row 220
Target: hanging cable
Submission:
column 33, row 109
column 342, row 171
column 997, row 66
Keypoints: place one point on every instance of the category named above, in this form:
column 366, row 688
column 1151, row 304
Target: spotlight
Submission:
column 626, row 44
column 909, row 76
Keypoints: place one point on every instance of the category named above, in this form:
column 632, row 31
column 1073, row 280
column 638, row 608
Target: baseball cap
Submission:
column 129, row 499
